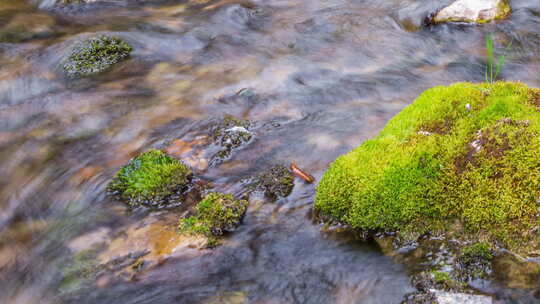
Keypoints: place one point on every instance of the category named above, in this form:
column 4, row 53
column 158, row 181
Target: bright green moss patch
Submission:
column 216, row 214
column 463, row 159
column 95, row 55
column 152, row 178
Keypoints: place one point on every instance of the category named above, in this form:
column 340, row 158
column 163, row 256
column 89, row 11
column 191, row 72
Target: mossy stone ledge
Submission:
column 153, row 179
column 214, row 215
column 461, row 161
column 95, row 55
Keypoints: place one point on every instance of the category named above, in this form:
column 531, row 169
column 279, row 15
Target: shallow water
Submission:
column 317, row 77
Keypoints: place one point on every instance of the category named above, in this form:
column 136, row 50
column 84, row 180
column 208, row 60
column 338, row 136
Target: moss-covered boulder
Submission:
column 152, row 179
column 214, row 215
column 462, row 161
column 95, row 55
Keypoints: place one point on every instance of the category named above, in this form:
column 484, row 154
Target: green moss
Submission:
column 95, row 55
column 478, row 177
column 441, row 277
column 152, row 178
column 216, row 214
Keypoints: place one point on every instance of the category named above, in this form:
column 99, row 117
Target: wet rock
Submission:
column 276, row 182
column 152, row 179
column 155, row 234
column 516, row 272
column 420, row 298
column 444, row 270
column 474, row 11
column 443, row 297
column 230, row 134
column 95, row 55
column 215, row 215
column 474, row 262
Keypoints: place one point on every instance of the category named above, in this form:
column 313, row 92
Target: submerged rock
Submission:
column 95, row 55
column 152, row 179
column 80, row 272
column 461, row 162
column 474, row 11
column 22, row 28
column 216, row 214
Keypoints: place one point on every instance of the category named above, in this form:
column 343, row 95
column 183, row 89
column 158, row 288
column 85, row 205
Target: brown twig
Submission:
column 308, row 178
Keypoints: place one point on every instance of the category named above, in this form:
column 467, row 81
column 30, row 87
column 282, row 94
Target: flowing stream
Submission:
column 317, row 77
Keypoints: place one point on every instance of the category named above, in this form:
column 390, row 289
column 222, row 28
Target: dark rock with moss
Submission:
column 441, row 267
column 95, row 55
column 276, row 182
column 152, row 179
column 461, row 161
column 214, row 215
column 229, row 134
column 448, row 279
column 474, row 262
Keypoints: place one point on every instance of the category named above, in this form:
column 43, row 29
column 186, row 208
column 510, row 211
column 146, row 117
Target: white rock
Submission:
column 476, row 11
column 444, row 297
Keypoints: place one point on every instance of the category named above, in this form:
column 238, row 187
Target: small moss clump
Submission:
column 216, row 214
column 229, row 134
column 444, row 280
column 95, row 55
column 152, row 178
column 276, row 182
column 461, row 160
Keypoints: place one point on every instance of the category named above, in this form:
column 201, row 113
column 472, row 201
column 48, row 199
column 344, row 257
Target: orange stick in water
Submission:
column 308, row 178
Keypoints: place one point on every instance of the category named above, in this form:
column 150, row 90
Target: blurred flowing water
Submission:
column 316, row 76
